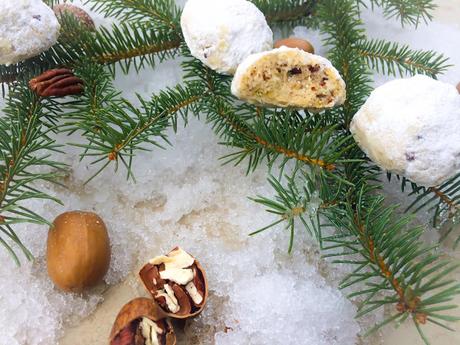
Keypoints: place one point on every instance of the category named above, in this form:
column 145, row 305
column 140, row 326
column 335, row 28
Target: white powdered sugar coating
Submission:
column 222, row 33
column 27, row 28
column 412, row 127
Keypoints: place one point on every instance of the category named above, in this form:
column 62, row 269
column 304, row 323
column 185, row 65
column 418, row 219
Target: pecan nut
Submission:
column 56, row 82
column 177, row 282
column 142, row 322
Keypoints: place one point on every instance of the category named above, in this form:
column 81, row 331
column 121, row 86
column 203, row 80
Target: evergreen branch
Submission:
column 391, row 58
column 127, row 44
column 115, row 128
column 442, row 201
column 343, row 28
column 407, row 11
column 25, row 150
column 163, row 13
column 257, row 136
column 386, row 251
column 294, row 12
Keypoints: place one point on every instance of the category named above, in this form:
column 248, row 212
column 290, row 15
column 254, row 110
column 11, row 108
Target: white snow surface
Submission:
column 27, row 28
column 221, row 33
column 183, row 196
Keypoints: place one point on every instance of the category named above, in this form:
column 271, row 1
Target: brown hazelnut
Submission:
column 177, row 283
column 458, row 87
column 294, row 42
column 142, row 322
column 78, row 251
column 80, row 14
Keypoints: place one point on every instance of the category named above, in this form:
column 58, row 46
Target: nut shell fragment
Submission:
column 150, row 276
column 124, row 332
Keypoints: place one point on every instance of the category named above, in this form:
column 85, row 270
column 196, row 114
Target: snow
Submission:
column 183, row 196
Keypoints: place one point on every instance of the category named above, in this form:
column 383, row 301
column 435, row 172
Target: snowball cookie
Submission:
column 412, row 127
column 27, row 28
column 289, row 77
column 221, row 33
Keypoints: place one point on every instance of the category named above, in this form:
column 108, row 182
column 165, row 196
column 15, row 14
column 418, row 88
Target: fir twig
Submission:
column 391, row 58
column 26, row 149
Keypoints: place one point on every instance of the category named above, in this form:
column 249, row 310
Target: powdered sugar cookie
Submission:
column 222, row 33
column 412, row 127
column 27, row 28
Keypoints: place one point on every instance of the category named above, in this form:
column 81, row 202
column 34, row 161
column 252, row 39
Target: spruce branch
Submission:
column 443, row 202
column 128, row 45
column 25, row 149
column 163, row 13
column 115, row 128
column 343, row 28
column 385, row 249
column 390, row 58
column 280, row 12
column 257, row 136
column 407, row 11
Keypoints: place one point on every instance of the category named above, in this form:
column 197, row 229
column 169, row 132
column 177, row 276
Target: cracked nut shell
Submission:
column 294, row 42
column 78, row 251
column 150, row 276
column 126, row 329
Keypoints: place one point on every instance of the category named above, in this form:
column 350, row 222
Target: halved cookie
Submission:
column 289, row 77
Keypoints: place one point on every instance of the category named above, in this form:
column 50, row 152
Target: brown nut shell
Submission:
column 458, row 87
column 78, row 251
column 137, row 309
column 188, row 309
column 79, row 13
column 294, row 42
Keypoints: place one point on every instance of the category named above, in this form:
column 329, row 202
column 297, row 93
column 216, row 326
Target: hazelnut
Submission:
column 80, row 14
column 78, row 251
column 458, row 87
column 177, row 282
column 142, row 322
column 294, row 42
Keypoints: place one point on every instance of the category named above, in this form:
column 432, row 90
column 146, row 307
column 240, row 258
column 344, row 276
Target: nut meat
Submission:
column 177, row 283
column 56, row 82
column 142, row 322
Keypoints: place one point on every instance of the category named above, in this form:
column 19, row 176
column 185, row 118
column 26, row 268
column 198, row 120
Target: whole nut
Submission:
column 80, row 14
column 78, row 251
column 142, row 322
column 177, row 282
column 294, row 42
column 458, row 87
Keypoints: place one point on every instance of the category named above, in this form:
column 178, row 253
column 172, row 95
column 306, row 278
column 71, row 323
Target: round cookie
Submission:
column 223, row 33
column 27, row 28
column 412, row 127
column 289, row 77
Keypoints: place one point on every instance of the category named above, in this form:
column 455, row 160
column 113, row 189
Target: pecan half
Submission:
column 177, row 282
column 56, row 82
column 141, row 322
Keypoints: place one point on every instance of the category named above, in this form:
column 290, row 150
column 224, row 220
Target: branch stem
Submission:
column 139, row 51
